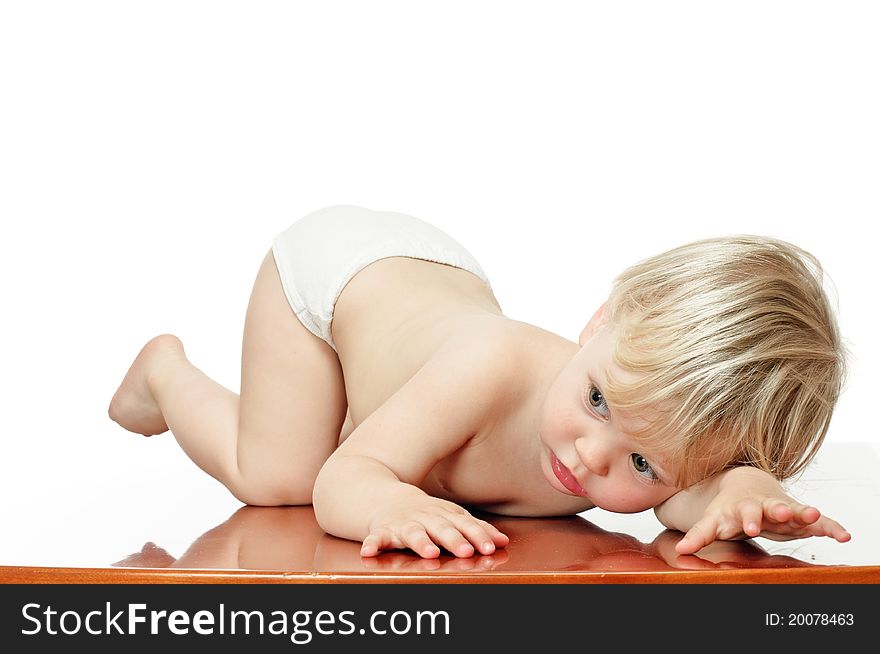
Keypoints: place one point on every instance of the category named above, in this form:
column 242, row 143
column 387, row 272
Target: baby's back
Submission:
column 395, row 315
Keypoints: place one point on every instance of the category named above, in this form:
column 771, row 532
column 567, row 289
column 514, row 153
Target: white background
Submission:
column 149, row 151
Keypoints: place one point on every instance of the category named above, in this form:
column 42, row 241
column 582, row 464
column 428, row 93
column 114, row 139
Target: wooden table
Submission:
column 149, row 530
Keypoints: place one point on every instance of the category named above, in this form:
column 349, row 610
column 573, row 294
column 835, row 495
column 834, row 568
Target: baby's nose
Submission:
column 594, row 455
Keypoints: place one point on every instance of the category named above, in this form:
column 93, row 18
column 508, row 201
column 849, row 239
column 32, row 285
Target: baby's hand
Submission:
column 422, row 524
column 751, row 503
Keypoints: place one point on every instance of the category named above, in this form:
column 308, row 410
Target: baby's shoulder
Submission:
column 491, row 357
column 506, row 342
column 482, row 351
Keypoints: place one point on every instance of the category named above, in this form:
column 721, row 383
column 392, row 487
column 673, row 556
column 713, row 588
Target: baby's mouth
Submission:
column 565, row 477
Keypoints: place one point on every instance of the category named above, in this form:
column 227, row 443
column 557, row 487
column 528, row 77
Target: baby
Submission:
column 382, row 383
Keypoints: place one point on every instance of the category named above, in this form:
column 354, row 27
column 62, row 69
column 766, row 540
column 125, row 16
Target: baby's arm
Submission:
column 741, row 503
column 368, row 489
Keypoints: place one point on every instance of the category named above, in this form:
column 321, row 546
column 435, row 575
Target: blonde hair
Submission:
column 738, row 353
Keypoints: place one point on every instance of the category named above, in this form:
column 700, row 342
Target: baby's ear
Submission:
column 595, row 323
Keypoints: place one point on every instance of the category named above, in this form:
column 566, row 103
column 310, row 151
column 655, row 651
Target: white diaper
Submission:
column 320, row 253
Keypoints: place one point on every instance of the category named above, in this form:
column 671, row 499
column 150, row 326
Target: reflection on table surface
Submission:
column 289, row 538
column 134, row 524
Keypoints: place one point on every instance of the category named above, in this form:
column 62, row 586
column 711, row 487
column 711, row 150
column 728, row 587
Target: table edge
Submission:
column 795, row 575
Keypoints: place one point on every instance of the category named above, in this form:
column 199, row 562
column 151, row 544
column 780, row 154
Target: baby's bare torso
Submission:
column 393, row 316
column 397, row 314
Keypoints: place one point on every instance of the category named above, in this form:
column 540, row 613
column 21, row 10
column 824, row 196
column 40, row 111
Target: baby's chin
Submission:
column 619, row 507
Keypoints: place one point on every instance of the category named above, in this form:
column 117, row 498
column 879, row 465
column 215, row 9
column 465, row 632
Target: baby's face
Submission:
column 586, row 447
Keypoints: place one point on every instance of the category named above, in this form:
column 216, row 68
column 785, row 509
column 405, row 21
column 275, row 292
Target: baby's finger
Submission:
column 751, row 515
column 777, row 510
column 498, row 537
column 830, row 528
column 377, row 540
column 415, row 537
column 445, row 533
column 805, row 515
column 475, row 532
column 698, row 536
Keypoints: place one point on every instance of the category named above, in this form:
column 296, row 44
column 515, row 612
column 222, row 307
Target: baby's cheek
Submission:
column 643, row 498
column 625, row 501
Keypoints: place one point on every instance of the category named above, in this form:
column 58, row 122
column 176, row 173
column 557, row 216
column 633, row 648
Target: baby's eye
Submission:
column 596, row 400
column 642, row 466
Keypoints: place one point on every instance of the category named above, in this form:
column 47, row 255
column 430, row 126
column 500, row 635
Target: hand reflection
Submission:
column 721, row 554
column 337, row 554
column 289, row 539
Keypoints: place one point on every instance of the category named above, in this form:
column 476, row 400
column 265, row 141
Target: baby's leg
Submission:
column 268, row 445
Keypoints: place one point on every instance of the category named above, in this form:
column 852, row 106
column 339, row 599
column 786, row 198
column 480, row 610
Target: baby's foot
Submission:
column 133, row 405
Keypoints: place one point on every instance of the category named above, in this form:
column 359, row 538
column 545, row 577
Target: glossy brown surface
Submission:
column 285, row 544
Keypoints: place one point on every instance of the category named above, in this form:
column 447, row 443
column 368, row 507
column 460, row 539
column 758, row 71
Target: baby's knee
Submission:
column 267, row 492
